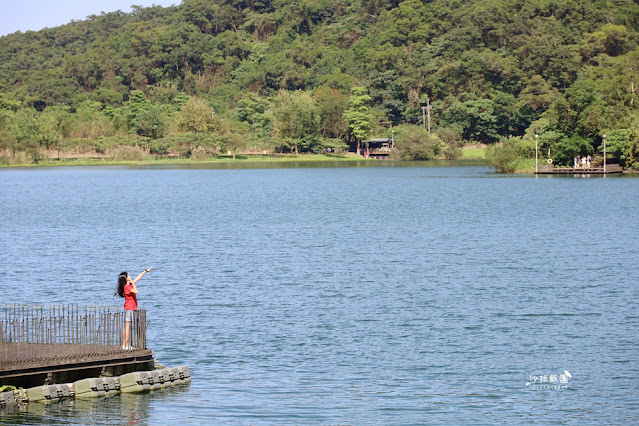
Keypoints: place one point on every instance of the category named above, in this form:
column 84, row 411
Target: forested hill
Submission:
column 491, row 69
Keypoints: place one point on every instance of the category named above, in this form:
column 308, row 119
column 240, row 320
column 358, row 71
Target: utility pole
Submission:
column 424, row 110
column 536, row 152
column 428, row 109
column 424, row 117
column 604, row 141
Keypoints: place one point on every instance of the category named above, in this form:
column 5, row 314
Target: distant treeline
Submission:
column 211, row 76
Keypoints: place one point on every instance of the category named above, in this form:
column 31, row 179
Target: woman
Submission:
column 128, row 290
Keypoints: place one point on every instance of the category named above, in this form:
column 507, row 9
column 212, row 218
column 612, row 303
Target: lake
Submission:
column 374, row 293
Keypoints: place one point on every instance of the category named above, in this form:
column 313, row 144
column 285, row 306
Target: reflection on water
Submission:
column 129, row 408
column 310, row 164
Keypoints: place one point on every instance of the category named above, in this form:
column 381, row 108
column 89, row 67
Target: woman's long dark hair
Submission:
column 121, row 283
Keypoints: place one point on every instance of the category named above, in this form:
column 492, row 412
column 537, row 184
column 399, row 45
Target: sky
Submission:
column 34, row 15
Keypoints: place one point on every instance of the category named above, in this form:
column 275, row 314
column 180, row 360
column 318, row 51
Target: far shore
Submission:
column 97, row 160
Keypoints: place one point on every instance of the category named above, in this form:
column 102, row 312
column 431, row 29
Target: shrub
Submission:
column 199, row 154
column 414, row 143
column 150, row 123
column 505, row 157
column 452, row 139
column 127, row 153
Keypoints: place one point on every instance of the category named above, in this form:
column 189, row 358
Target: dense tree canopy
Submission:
column 492, row 69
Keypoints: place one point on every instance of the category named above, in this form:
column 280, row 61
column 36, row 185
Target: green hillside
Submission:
column 214, row 76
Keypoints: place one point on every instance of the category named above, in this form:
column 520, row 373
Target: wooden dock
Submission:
column 599, row 170
column 58, row 364
column 60, row 344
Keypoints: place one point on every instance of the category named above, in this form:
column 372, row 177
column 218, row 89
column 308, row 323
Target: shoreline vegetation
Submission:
column 477, row 153
column 94, row 159
column 49, row 159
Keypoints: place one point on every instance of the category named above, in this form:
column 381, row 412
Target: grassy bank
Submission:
column 158, row 160
column 473, row 153
column 95, row 160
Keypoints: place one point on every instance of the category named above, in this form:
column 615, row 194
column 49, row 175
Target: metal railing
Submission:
column 38, row 333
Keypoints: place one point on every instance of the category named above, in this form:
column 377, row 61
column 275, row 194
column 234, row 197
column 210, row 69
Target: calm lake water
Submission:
column 344, row 295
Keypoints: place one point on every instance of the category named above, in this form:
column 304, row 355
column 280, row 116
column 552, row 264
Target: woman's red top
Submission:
column 130, row 299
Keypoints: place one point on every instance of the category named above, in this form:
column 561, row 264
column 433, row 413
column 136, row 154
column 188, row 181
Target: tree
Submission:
column 296, row 118
column 8, row 139
column 610, row 39
column 136, row 105
column 8, row 142
column 414, row 143
column 537, row 93
column 476, row 117
column 25, row 132
column 623, row 144
column 50, row 130
column 580, row 110
column 568, row 147
column 631, row 146
column 386, row 94
column 234, row 142
column 452, row 140
column 616, row 144
column 331, row 105
column 90, row 122
column 254, row 110
column 358, row 115
column 505, row 157
column 196, row 116
column 150, row 123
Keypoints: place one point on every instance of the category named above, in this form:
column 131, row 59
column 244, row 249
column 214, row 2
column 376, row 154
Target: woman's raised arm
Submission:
column 141, row 275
